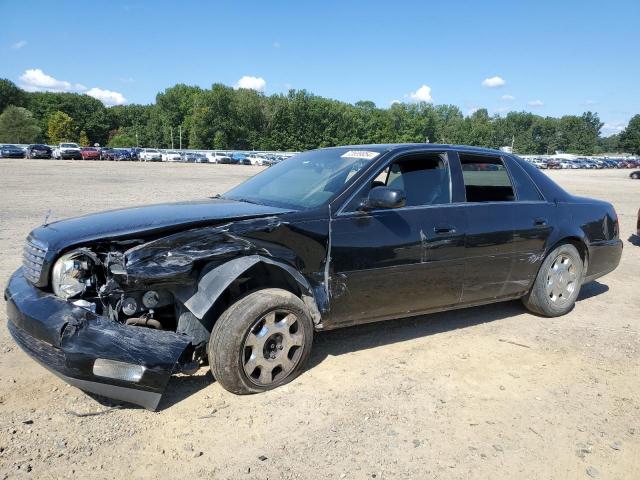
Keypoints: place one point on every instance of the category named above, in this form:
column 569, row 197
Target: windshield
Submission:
column 304, row 181
column 68, row 145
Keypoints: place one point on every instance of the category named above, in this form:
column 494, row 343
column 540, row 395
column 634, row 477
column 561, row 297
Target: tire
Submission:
column 557, row 284
column 635, row 176
column 260, row 342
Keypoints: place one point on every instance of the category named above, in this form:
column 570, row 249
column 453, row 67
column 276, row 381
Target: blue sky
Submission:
column 554, row 57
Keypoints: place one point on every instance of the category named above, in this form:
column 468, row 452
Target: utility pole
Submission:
column 180, row 133
column 171, row 131
column 137, row 140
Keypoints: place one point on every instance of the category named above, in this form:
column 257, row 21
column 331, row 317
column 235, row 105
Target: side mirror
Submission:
column 385, row 197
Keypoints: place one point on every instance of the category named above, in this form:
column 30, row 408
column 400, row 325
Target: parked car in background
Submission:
column 240, row 158
column 67, row 151
column 635, row 175
column 121, row 154
column 216, row 157
column 150, row 155
column 171, row 156
column 135, row 153
column 200, row 158
column 38, row 150
column 90, row 153
column 256, row 160
column 106, row 153
column 11, row 151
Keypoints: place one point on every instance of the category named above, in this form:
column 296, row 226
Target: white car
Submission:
column 67, row 151
column 256, row 160
column 217, row 157
column 150, row 155
column 171, row 157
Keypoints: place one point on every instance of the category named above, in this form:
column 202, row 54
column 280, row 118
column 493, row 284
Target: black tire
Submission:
column 557, row 285
column 232, row 350
column 635, row 175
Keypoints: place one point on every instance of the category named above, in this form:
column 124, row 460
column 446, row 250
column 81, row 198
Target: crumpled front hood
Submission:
column 148, row 220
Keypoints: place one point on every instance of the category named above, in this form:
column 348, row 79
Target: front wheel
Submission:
column 260, row 342
column 558, row 283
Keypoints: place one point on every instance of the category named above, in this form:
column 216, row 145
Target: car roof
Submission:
column 397, row 147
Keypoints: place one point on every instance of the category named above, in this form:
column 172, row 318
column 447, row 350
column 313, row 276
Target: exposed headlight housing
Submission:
column 72, row 274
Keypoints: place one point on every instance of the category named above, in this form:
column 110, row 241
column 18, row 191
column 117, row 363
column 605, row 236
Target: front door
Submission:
column 390, row 263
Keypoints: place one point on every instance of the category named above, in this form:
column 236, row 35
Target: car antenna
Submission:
column 46, row 218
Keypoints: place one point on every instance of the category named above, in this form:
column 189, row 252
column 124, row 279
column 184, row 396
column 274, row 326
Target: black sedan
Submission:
column 11, row 151
column 38, row 151
column 116, row 302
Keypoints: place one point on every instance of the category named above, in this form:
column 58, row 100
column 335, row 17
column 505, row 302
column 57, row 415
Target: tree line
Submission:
column 226, row 118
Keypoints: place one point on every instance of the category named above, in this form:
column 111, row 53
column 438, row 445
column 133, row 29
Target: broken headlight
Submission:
column 72, row 274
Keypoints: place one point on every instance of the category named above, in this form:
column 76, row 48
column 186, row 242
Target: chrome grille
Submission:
column 32, row 259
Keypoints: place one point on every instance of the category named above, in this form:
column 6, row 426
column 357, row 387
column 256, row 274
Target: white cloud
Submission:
column 609, row 129
column 393, row 102
column 535, row 103
column 252, row 83
column 107, row 97
column 423, row 94
column 35, row 80
column 493, row 82
column 19, row 45
column 507, row 97
column 276, row 44
column 472, row 110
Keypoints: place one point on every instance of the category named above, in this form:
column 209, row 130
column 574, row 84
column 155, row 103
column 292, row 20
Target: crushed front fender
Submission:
column 92, row 352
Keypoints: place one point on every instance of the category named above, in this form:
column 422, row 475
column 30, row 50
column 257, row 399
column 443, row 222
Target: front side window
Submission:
column 486, row 179
column 424, row 178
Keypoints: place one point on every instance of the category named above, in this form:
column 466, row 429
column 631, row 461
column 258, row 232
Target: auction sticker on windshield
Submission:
column 360, row 154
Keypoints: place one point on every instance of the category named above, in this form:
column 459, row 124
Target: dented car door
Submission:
column 389, row 263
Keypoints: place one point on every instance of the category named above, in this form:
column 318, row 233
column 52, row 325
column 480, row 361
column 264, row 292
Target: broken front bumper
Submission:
column 90, row 351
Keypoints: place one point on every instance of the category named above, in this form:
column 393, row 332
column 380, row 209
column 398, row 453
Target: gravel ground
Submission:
column 489, row 392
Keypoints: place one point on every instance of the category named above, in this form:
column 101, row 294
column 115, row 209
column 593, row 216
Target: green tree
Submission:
column 83, row 140
column 122, row 139
column 630, row 137
column 17, row 125
column 11, row 95
column 61, row 128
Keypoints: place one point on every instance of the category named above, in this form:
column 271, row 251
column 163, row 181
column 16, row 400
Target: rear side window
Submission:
column 486, row 179
column 525, row 188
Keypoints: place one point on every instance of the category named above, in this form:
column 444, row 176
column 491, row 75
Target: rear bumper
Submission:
column 604, row 257
column 68, row 340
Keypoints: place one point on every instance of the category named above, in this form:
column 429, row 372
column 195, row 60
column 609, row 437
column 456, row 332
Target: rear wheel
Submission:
column 558, row 283
column 261, row 342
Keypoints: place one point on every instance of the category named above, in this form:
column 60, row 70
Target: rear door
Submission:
column 532, row 225
column 389, row 263
column 489, row 210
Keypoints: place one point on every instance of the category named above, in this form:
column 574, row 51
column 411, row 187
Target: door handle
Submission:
column 540, row 222
column 444, row 229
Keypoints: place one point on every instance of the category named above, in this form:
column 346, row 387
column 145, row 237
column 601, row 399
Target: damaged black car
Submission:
column 117, row 302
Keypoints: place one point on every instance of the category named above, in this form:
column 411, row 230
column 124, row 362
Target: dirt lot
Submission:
column 443, row 396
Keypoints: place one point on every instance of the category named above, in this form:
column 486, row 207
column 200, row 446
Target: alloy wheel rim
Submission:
column 561, row 280
column 273, row 347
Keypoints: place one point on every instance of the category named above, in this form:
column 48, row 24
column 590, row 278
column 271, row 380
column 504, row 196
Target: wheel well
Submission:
column 580, row 246
column 259, row 276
